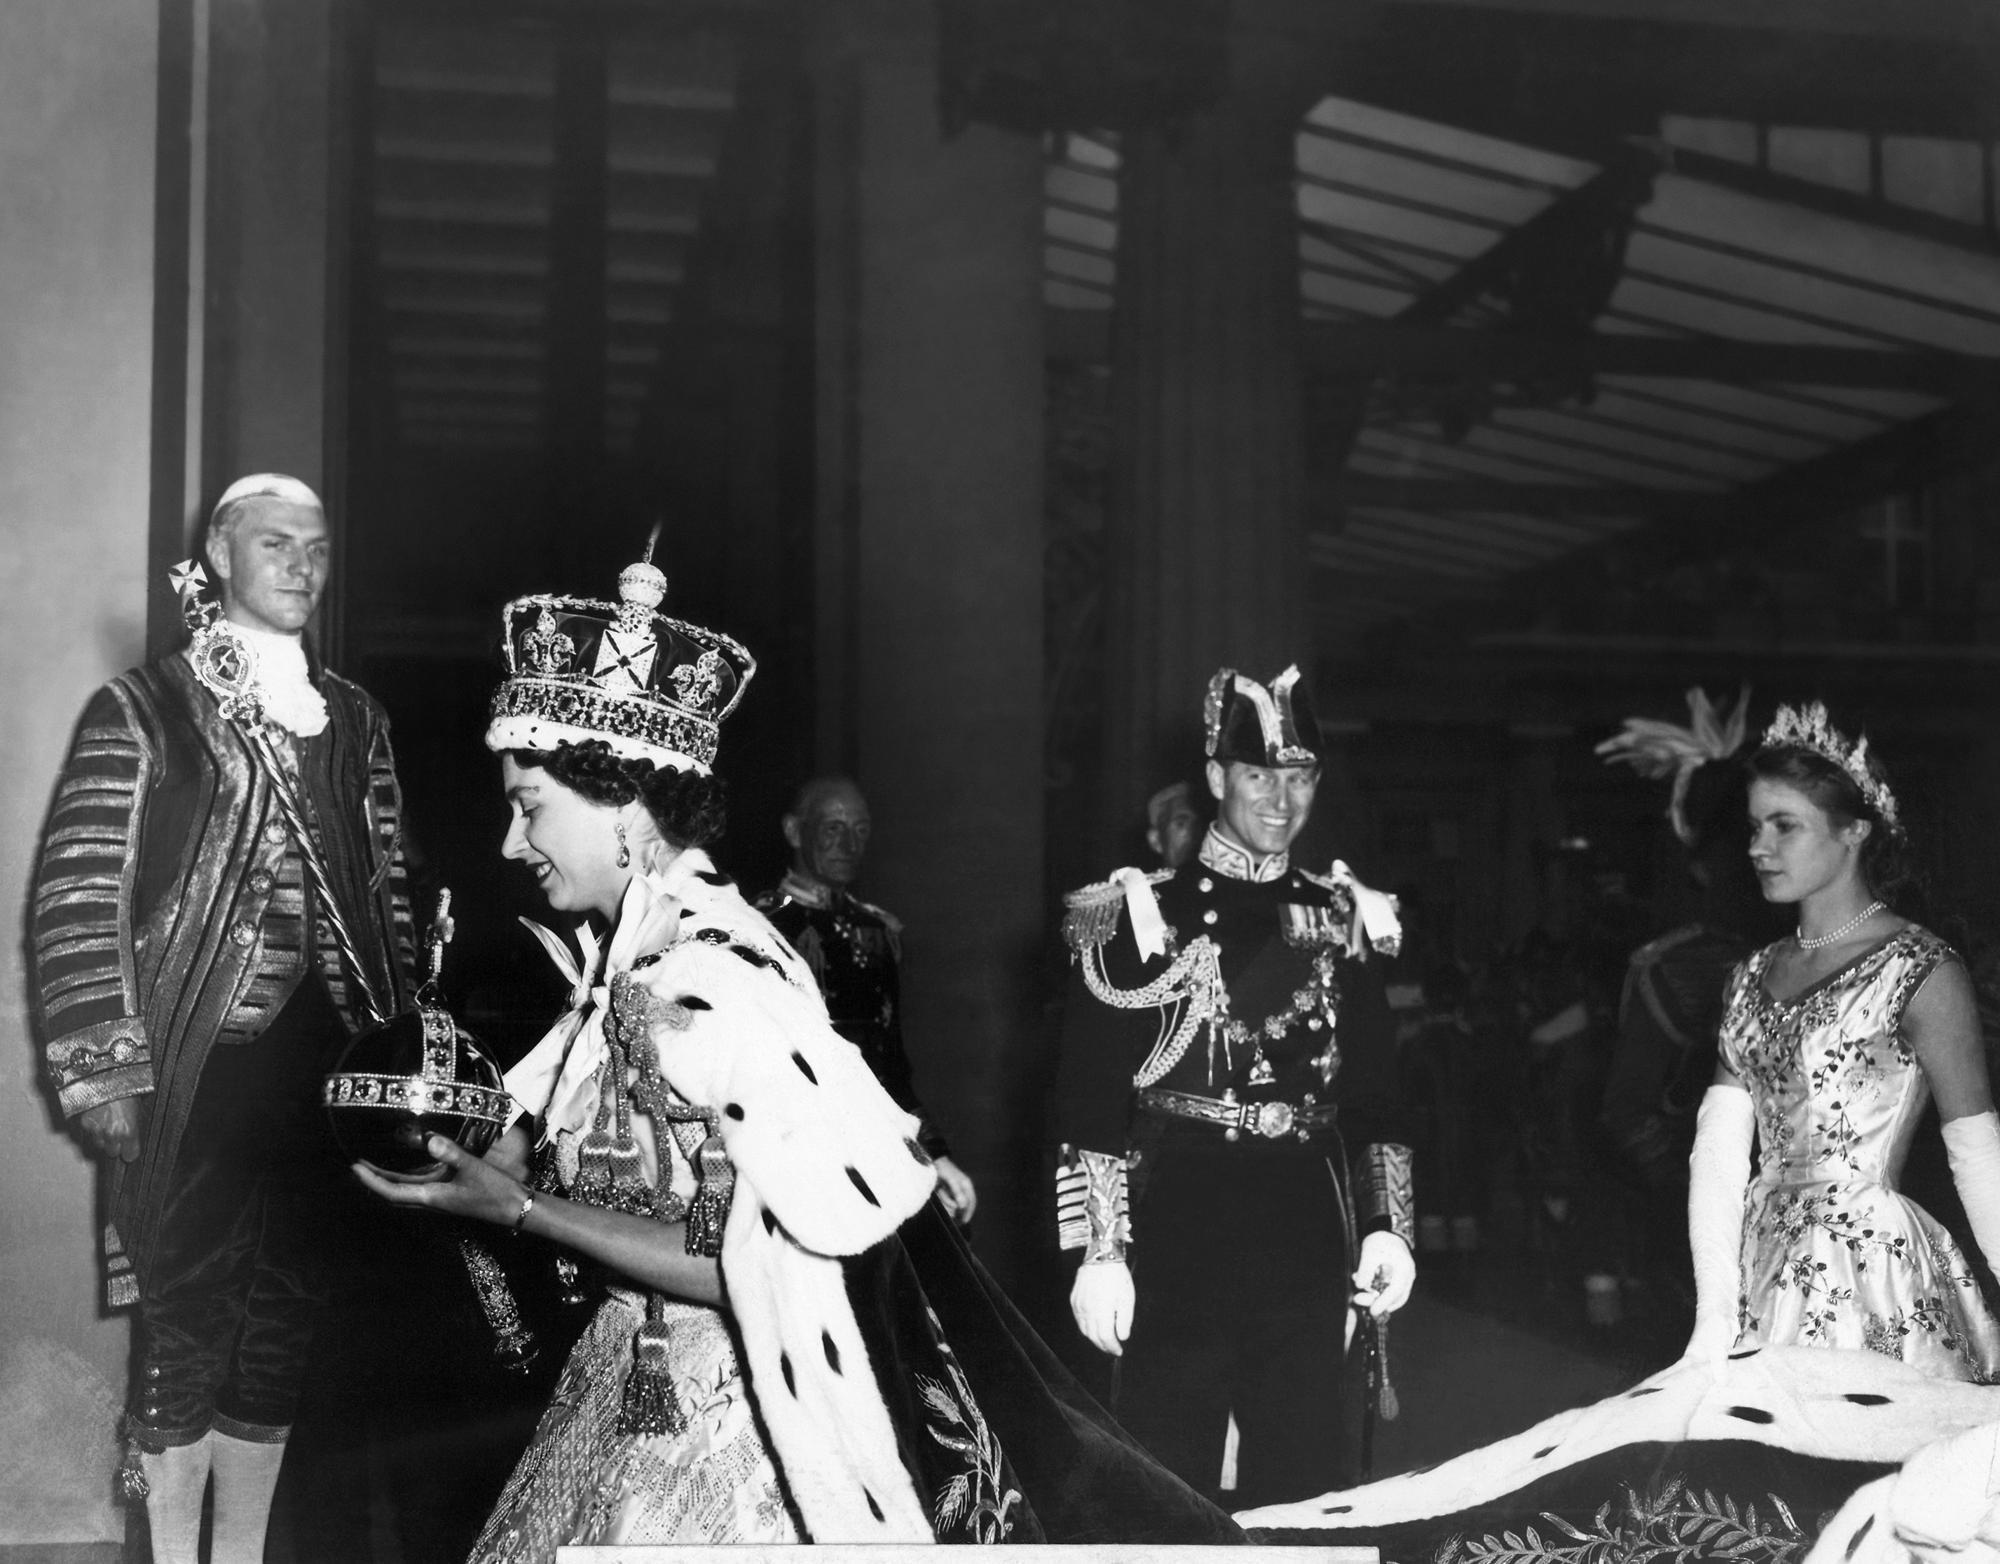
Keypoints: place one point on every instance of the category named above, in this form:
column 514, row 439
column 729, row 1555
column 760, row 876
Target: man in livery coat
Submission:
column 855, row 950
column 1234, row 1150
column 193, row 994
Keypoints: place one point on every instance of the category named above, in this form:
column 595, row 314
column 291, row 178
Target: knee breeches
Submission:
column 229, row 1297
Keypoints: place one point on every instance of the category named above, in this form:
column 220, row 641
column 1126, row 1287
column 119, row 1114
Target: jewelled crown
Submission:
column 650, row 687
column 1260, row 727
column 1808, row 727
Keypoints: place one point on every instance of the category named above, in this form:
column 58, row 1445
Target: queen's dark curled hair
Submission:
column 1886, row 863
column 690, row 809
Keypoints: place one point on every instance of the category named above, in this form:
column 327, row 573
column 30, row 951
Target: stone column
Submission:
column 928, row 601
column 1205, row 557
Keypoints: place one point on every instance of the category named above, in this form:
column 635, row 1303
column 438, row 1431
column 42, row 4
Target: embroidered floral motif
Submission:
column 973, row 1498
column 1832, row 1254
column 1665, row 1521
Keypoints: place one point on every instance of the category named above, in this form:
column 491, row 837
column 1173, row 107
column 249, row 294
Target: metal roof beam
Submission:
column 1896, row 461
column 1432, row 496
column 1347, row 351
column 1621, row 184
column 1946, row 19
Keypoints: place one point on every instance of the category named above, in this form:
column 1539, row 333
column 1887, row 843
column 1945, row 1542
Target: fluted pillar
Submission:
column 1205, row 560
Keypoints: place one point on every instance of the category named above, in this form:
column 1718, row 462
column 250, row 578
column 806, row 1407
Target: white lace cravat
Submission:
column 284, row 684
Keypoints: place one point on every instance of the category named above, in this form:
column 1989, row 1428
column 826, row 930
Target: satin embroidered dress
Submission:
column 1832, row 1254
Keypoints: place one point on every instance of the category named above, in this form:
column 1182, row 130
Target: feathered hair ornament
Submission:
column 1809, row 728
column 1657, row 749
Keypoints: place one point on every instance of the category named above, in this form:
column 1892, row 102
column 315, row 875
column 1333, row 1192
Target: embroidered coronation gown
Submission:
column 1832, row 1254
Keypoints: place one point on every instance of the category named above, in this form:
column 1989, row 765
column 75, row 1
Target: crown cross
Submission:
column 549, row 650
column 625, row 660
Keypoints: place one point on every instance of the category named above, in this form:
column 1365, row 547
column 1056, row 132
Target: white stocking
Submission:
column 1718, row 1176
column 246, row 1477
column 176, row 1479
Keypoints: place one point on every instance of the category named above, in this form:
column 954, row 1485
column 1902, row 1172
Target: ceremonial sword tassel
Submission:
column 1386, row 1396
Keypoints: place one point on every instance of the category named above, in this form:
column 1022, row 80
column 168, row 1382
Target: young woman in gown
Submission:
column 796, row 1347
column 1833, row 1041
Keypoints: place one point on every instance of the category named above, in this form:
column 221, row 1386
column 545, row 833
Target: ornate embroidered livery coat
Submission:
column 162, row 855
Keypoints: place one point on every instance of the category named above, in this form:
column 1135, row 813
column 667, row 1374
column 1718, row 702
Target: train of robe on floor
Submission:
column 1758, row 1458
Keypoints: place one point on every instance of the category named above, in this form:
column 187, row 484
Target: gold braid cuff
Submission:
column 1385, row 1188
column 1093, row 1210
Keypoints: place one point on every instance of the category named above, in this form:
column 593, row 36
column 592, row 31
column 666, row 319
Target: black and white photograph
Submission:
column 1133, row 775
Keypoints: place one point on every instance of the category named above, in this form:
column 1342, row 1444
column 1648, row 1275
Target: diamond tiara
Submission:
column 1808, row 727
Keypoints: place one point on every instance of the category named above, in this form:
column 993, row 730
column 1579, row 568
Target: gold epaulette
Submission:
column 1091, row 914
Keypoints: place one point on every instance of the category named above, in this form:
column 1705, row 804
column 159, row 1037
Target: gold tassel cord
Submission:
column 651, row 1405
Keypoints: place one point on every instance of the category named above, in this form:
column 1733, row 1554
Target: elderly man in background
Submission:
column 193, row 992
column 855, row 950
column 1173, row 824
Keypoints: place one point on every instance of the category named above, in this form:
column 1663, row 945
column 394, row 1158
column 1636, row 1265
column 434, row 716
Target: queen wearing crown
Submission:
column 795, row 1346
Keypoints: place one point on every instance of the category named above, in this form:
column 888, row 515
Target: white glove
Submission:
column 1101, row 1300
column 1973, row 1145
column 1384, row 1274
column 1718, row 1176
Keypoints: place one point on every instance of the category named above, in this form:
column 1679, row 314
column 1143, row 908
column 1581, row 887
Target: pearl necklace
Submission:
column 1821, row 941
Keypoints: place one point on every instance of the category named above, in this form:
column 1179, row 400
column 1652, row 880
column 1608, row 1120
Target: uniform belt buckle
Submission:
column 1273, row 1120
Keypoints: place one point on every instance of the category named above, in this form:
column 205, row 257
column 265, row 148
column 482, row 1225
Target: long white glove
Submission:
column 1384, row 1274
column 1973, row 1145
column 1101, row 1300
column 1718, row 1176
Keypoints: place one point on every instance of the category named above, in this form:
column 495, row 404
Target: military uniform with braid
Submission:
column 1234, row 1144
